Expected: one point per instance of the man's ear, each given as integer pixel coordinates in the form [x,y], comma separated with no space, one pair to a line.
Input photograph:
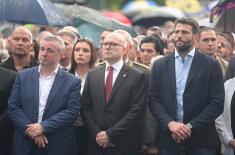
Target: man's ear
[9,41]
[32,46]
[196,37]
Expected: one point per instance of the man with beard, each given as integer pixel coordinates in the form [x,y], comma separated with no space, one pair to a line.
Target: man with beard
[186,95]
[20,43]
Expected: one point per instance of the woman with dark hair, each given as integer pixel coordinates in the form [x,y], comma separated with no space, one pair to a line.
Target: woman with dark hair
[83,59]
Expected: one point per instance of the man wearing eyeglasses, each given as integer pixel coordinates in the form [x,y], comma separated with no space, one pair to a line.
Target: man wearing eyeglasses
[113,102]
[44,104]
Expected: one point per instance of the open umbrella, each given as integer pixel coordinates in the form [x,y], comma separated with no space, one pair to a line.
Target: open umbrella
[223,15]
[157,17]
[118,15]
[92,23]
[40,12]
[132,8]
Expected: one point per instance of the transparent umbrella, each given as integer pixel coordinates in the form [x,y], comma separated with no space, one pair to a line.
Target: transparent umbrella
[92,23]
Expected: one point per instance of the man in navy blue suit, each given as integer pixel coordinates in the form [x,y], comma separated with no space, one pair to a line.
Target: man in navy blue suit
[186,95]
[44,103]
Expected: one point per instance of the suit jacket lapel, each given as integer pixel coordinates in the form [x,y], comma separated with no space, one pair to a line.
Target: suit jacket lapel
[100,83]
[58,82]
[35,86]
[171,74]
[195,66]
[119,80]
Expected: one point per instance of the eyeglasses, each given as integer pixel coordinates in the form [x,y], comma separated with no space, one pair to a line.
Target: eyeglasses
[110,45]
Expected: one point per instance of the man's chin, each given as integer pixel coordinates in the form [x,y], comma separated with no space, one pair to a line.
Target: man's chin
[20,54]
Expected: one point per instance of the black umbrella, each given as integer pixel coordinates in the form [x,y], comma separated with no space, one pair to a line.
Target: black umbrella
[156,17]
[40,12]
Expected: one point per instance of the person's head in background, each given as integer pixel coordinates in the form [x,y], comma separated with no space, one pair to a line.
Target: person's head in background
[3,53]
[69,39]
[20,42]
[132,54]
[207,41]
[150,47]
[128,38]
[225,45]
[169,26]
[154,30]
[74,30]
[169,43]
[35,49]
[43,34]
[139,38]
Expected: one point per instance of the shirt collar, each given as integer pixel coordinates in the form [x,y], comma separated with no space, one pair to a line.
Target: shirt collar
[67,67]
[191,53]
[117,66]
[52,74]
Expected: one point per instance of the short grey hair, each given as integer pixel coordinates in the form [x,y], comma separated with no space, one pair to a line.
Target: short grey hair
[20,28]
[56,39]
[68,33]
[126,35]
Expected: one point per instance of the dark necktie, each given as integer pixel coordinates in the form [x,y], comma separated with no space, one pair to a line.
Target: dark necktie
[109,82]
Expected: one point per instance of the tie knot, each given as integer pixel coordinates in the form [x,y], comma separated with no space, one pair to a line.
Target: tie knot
[110,68]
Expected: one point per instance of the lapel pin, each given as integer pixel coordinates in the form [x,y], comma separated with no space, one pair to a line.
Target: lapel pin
[124,75]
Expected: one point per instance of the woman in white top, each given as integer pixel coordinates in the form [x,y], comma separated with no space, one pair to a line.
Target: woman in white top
[225,123]
[83,59]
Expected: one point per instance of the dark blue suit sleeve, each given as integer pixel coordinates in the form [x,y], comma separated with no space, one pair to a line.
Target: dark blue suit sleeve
[154,98]
[17,115]
[215,99]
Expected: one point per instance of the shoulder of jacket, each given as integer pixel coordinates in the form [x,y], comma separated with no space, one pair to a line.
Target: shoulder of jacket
[141,65]
[99,63]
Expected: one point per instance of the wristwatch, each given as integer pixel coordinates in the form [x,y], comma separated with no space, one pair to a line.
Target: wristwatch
[189,125]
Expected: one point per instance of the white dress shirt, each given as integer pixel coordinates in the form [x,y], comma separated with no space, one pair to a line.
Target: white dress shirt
[82,81]
[45,85]
[116,69]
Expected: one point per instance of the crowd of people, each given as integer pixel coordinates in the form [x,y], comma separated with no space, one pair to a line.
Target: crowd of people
[168,91]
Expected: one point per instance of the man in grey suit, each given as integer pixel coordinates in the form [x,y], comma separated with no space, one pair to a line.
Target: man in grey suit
[112,109]
[186,95]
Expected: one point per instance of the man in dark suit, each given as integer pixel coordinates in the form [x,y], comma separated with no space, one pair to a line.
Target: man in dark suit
[186,95]
[44,104]
[113,102]
[6,83]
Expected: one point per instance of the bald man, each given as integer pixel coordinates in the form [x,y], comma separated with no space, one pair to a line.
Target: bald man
[113,114]
[20,42]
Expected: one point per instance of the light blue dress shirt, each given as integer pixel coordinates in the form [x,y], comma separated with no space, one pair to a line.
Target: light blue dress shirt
[182,67]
